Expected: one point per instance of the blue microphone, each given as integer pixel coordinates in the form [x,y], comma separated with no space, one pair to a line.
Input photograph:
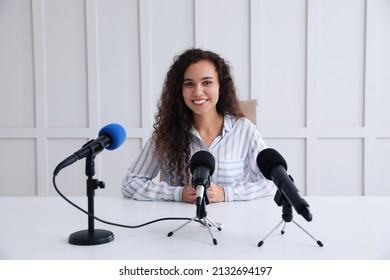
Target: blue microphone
[110,137]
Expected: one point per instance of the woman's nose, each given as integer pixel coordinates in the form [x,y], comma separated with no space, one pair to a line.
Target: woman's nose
[198,90]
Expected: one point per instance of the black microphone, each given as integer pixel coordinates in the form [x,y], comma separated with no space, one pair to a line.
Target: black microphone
[202,166]
[274,167]
[110,137]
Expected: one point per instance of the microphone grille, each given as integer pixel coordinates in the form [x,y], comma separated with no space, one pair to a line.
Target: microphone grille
[116,133]
[268,159]
[202,158]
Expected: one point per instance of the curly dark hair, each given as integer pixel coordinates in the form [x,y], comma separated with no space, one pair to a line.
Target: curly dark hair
[174,120]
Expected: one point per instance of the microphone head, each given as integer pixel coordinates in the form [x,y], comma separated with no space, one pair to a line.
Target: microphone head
[202,158]
[267,160]
[116,133]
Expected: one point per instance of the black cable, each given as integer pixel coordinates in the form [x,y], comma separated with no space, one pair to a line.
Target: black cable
[110,223]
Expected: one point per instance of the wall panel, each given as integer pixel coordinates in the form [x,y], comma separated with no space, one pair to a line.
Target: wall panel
[283,80]
[119,62]
[340,167]
[16,70]
[382,62]
[340,58]
[381,165]
[17,167]
[66,74]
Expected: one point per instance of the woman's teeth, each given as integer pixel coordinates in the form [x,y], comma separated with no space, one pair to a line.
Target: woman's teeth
[199,102]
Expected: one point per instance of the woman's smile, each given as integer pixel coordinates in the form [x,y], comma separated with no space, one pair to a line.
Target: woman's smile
[199,102]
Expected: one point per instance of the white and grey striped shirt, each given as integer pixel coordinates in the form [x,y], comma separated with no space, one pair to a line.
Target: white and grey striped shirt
[235,153]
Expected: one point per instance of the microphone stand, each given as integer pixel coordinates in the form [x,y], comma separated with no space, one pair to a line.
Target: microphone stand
[201,217]
[91,236]
[287,217]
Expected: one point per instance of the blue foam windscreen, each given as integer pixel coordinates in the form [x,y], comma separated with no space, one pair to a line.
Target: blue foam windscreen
[117,134]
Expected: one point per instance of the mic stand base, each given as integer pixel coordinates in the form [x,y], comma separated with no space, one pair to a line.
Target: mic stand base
[204,221]
[91,237]
[283,231]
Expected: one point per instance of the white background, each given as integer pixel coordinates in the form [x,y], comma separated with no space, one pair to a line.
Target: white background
[320,70]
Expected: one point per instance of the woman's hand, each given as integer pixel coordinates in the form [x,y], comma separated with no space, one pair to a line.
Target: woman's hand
[215,193]
[189,194]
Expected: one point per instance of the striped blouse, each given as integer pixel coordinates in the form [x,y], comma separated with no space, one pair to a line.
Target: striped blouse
[235,153]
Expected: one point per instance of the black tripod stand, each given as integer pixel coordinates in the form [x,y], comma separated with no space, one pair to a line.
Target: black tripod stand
[201,217]
[287,217]
[91,236]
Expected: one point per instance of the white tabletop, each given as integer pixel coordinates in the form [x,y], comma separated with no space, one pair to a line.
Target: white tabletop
[349,227]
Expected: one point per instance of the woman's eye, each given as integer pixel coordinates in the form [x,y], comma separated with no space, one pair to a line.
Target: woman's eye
[207,83]
[188,84]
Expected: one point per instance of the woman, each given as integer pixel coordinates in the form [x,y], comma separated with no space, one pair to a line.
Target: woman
[199,110]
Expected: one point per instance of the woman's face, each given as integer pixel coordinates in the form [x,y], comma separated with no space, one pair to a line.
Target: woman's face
[201,87]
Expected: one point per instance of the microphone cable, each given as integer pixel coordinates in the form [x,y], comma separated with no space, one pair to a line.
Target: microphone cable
[111,223]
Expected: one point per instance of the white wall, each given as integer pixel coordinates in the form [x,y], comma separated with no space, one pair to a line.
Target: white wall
[320,70]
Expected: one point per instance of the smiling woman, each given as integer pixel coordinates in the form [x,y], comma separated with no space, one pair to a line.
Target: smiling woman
[199,110]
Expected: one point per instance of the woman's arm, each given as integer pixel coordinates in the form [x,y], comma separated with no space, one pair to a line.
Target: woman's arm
[138,182]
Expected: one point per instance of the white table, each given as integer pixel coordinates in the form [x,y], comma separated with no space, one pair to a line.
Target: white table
[349,227]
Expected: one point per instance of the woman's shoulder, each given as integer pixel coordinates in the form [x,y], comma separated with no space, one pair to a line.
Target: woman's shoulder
[236,122]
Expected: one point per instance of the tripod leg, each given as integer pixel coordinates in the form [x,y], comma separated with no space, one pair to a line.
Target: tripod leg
[213,224]
[284,228]
[208,228]
[262,241]
[183,225]
[317,241]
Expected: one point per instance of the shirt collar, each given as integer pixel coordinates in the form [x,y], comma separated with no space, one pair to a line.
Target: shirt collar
[227,126]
